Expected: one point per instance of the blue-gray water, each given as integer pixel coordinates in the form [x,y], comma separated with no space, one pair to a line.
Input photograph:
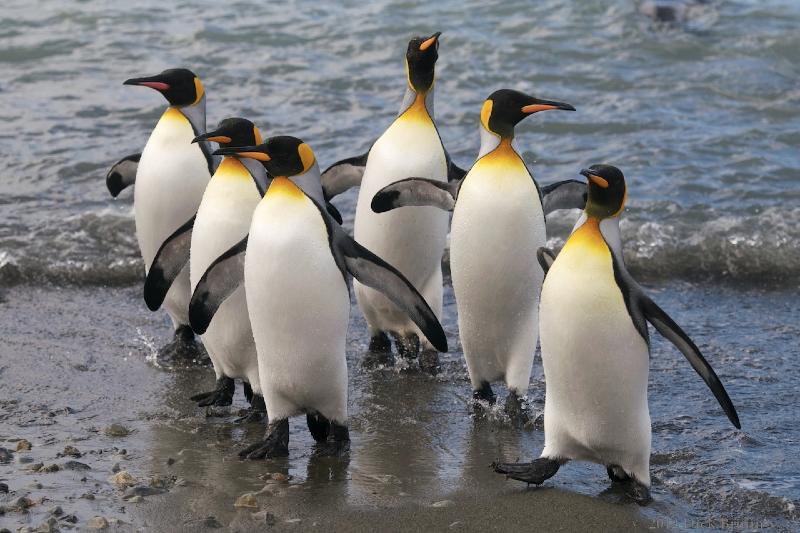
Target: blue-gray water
[702,116]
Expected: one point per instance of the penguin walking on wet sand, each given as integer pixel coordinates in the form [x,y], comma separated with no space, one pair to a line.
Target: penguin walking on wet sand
[295,273]
[414,239]
[222,220]
[171,177]
[595,350]
[498,224]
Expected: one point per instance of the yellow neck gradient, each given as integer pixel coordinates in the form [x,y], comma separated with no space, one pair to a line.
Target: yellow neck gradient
[588,240]
[417,112]
[282,187]
[232,168]
[503,158]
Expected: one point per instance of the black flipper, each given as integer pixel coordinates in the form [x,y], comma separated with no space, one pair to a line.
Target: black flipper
[332,211]
[219,281]
[123,174]
[167,264]
[546,258]
[642,310]
[416,192]
[454,172]
[569,194]
[377,274]
[343,175]
[673,333]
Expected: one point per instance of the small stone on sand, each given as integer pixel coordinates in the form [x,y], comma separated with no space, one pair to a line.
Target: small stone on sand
[116,430]
[443,503]
[266,517]
[3,488]
[6,455]
[23,503]
[23,445]
[76,465]
[123,479]
[97,522]
[71,451]
[247,501]
[49,469]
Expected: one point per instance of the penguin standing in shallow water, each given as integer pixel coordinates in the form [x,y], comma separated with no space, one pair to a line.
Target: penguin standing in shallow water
[295,273]
[171,177]
[222,220]
[498,225]
[595,350]
[414,239]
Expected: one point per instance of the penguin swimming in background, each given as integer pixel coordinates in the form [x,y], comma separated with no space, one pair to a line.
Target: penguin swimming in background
[595,350]
[171,176]
[295,274]
[498,225]
[222,220]
[413,240]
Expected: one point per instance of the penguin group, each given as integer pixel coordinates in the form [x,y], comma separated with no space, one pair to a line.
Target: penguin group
[243,247]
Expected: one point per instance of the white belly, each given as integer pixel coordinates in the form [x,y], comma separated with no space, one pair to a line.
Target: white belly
[596,367]
[412,238]
[497,227]
[170,181]
[299,308]
[223,219]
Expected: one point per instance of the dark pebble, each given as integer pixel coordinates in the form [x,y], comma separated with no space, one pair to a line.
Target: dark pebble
[71,518]
[170,461]
[36,467]
[3,488]
[212,522]
[115,468]
[142,491]
[57,511]
[23,503]
[6,455]
[87,496]
[49,469]
[76,465]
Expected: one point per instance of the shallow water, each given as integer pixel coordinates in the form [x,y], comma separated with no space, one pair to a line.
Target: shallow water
[703,118]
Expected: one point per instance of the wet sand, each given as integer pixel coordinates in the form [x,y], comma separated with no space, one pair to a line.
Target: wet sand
[75,361]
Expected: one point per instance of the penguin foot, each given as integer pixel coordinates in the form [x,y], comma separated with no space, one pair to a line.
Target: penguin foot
[276,443]
[221,396]
[429,362]
[380,352]
[256,413]
[407,346]
[319,426]
[248,392]
[484,395]
[616,473]
[182,350]
[337,446]
[637,491]
[516,408]
[535,472]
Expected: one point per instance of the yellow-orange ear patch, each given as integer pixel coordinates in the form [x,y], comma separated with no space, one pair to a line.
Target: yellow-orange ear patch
[306,156]
[486,113]
[198,89]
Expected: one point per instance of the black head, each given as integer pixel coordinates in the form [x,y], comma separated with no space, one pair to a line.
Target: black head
[281,156]
[505,108]
[179,86]
[607,191]
[421,61]
[233,131]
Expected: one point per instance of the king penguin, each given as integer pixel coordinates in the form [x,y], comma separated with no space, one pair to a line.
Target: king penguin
[295,274]
[413,240]
[498,225]
[171,177]
[595,350]
[222,220]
